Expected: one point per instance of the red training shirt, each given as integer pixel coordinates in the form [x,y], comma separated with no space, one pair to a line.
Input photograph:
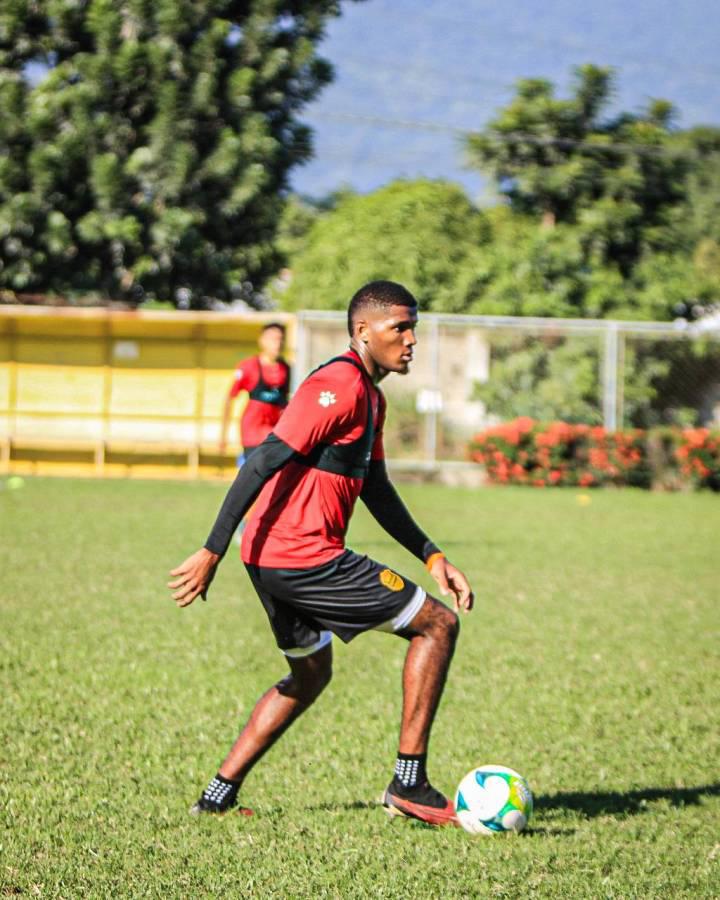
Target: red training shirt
[258,418]
[301,515]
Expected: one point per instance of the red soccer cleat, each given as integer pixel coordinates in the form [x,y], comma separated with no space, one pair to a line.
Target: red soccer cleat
[432,815]
[202,807]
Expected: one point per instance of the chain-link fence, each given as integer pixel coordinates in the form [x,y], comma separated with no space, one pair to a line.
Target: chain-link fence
[473,371]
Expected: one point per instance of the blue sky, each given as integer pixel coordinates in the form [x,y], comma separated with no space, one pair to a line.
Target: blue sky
[453,65]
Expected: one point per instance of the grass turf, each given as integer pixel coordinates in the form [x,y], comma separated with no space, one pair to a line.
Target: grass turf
[590,665]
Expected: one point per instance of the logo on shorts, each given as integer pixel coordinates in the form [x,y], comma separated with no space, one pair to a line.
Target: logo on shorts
[391,580]
[326,398]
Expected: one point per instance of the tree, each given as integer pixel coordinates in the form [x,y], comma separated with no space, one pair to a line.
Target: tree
[154,156]
[560,161]
[697,218]
[423,233]
[695,223]
[545,379]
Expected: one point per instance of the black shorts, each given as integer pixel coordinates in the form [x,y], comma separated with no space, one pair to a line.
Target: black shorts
[346,596]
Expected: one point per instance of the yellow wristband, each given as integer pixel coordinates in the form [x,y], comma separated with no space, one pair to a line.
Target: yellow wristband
[431,559]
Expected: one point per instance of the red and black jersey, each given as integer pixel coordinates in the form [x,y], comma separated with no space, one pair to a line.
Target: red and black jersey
[268,387]
[302,512]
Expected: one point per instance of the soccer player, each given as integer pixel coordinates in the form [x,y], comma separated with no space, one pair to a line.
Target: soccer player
[324,453]
[266,378]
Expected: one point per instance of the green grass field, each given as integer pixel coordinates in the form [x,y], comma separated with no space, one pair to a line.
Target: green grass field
[590,665]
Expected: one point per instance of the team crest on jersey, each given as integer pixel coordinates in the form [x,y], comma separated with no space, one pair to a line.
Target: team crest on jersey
[391,580]
[326,398]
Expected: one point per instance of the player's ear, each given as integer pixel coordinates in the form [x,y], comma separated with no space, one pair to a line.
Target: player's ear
[362,331]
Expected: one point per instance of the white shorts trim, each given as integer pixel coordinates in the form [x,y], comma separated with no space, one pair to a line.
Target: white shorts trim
[298,652]
[406,614]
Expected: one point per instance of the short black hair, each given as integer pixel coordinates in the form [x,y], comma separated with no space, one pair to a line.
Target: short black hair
[270,325]
[378,294]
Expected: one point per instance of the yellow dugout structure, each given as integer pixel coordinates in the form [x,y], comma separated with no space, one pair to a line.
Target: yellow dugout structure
[115,393]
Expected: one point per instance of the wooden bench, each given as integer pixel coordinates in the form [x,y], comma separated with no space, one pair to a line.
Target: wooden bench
[37,455]
[54,445]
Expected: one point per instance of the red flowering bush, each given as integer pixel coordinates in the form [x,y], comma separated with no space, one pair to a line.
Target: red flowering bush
[546,454]
[698,456]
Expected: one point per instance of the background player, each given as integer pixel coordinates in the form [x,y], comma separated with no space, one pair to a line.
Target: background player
[324,453]
[266,378]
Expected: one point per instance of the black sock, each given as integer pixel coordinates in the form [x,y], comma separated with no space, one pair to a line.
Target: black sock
[411,781]
[410,770]
[221,793]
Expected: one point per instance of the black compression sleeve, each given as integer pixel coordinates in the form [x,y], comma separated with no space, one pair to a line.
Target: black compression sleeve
[269,456]
[383,501]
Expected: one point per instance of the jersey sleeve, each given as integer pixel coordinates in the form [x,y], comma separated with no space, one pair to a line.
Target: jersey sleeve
[246,377]
[270,456]
[323,409]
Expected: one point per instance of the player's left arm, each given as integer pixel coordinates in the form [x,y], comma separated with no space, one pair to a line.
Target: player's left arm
[385,504]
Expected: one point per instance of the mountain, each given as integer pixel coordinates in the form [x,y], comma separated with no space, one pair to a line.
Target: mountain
[413,75]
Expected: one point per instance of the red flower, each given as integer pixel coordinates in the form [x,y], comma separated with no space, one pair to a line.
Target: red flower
[598,458]
[696,436]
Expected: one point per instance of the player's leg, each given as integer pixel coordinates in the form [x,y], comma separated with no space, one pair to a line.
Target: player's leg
[272,715]
[350,595]
[432,634]
[277,709]
[353,594]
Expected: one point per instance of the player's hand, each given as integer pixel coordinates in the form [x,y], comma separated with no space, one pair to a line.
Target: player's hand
[193,577]
[452,582]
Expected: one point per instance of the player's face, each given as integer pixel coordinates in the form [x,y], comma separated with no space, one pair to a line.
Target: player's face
[272,342]
[389,335]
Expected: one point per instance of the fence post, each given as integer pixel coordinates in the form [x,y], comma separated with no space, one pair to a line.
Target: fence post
[299,367]
[610,377]
[431,422]
[621,379]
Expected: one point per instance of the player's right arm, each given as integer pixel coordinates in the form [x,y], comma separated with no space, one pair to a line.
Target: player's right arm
[308,420]
[194,576]
[239,384]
